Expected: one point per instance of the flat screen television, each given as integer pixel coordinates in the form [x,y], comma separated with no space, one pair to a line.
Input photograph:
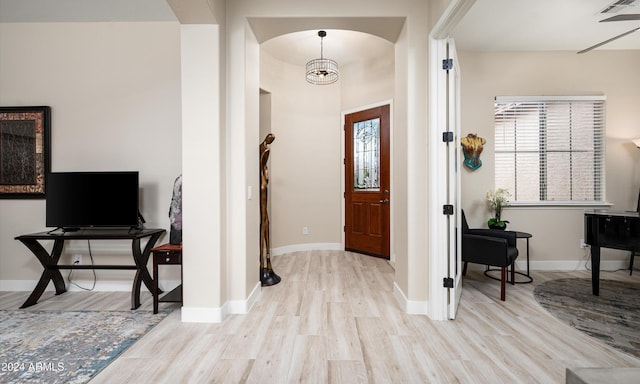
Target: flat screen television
[77,200]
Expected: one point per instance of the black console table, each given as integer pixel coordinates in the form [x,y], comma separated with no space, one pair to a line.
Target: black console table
[49,261]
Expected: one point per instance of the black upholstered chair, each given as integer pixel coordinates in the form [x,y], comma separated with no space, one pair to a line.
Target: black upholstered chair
[492,247]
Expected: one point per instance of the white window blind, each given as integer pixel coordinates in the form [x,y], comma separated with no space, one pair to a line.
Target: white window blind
[550,149]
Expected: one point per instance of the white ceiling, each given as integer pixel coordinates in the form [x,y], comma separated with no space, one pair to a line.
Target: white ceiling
[573,25]
[490,25]
[342,46]
[296,40]
[26,11]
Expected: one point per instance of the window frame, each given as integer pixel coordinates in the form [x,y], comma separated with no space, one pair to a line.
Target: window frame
[599,144]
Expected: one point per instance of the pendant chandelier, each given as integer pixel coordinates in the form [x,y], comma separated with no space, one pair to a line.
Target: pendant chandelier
[322,71]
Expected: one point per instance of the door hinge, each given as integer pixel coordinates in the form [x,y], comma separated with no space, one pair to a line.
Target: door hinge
[344,229]
[447,282]
[447,209]
[447,64]
[447,137]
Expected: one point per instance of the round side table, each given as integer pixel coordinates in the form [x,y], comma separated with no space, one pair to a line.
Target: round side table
[527,277]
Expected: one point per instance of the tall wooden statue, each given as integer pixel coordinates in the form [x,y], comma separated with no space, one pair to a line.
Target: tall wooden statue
[267,275]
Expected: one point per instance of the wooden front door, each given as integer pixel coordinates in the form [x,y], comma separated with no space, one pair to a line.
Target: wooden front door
[367,193]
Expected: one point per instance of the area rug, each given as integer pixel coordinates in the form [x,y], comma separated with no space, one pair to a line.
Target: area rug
[66,346]
[613,317]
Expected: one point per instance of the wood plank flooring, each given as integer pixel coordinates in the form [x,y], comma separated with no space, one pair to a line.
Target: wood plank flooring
[334,319]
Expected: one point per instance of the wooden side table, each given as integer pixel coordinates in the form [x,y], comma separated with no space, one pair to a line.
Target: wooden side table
[166,254]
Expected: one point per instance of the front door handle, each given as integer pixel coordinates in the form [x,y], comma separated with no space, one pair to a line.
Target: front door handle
[384,201]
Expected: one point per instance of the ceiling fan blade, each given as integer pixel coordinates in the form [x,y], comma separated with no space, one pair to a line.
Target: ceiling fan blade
[623,17]
[609,40]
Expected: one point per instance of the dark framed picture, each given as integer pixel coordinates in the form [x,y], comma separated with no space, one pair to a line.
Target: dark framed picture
[25,157]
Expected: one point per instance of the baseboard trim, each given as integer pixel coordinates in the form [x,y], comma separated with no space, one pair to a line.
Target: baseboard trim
[565,265]
[571,265]
[218,315]
[203,314]
[307,247]
[411,307]
[242,307]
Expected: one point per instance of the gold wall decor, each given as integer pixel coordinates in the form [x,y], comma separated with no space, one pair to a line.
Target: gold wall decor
[472,146]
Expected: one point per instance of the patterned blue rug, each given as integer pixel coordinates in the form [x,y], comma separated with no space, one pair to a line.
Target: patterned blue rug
[613,317]
[66,346]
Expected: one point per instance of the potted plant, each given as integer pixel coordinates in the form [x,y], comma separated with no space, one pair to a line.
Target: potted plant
[496,200]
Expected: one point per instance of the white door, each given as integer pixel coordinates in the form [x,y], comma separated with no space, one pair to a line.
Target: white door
[453,180]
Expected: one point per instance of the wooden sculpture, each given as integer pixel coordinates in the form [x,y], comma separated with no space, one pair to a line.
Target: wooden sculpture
[267,275]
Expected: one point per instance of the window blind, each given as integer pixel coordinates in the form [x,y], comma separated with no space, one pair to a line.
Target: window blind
[550,149]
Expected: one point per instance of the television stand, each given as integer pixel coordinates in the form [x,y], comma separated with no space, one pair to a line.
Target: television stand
[50,261]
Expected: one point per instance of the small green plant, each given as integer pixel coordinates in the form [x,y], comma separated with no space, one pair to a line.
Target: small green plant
[496,200]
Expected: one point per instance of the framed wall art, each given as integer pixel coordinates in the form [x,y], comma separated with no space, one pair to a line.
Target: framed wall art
[25,157]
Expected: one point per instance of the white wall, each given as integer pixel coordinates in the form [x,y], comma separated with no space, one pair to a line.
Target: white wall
[416,262]
[114,91]
[367,82]
[305,157]
[205,277]
[556,231]
[399,204]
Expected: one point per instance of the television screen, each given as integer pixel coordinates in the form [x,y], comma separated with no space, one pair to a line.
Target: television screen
[92,199]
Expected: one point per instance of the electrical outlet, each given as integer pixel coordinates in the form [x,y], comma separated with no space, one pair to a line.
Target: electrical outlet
[305,230]
[77,259]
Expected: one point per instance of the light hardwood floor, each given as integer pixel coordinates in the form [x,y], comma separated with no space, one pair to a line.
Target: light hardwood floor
[334,319]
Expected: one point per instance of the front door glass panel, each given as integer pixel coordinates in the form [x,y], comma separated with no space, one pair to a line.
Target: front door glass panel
[366,155]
